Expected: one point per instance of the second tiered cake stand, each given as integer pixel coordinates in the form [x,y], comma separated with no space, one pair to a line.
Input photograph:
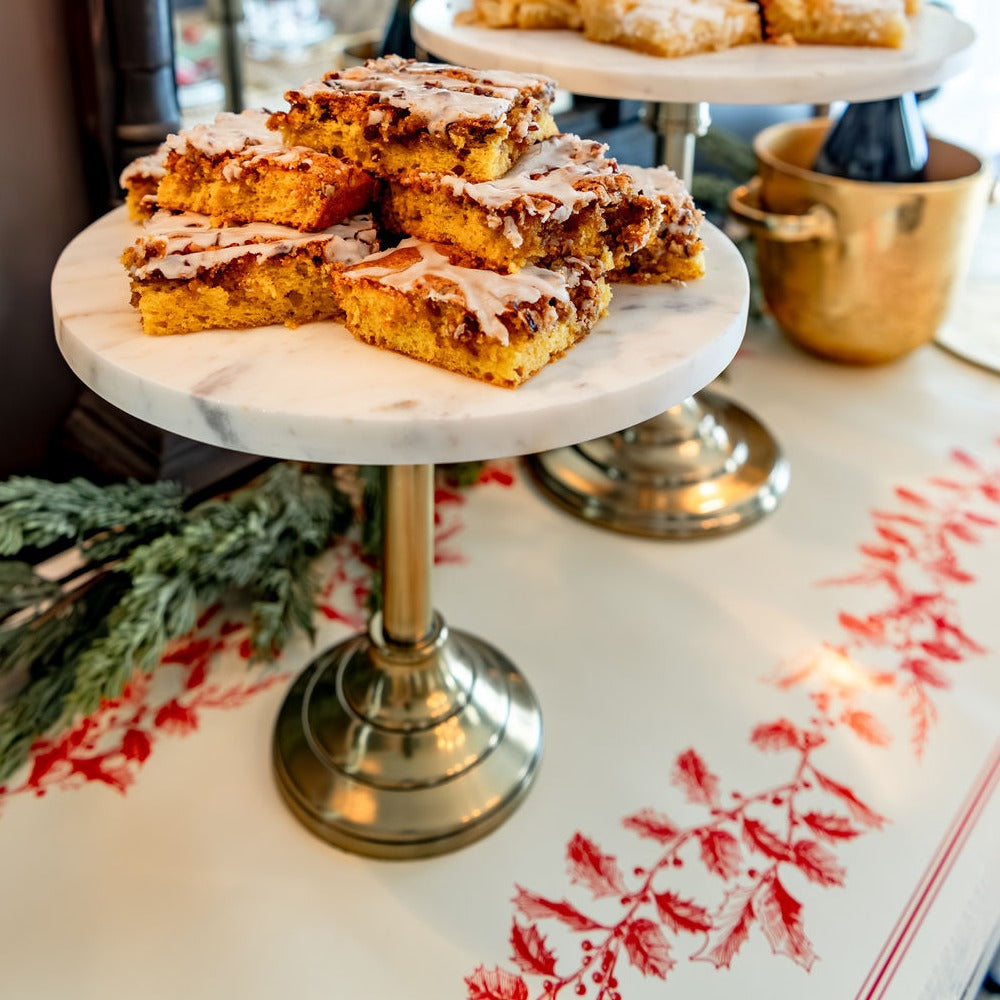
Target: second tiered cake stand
[706,465]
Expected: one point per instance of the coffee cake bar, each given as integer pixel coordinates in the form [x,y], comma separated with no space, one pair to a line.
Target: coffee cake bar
[671,27]
[563,197]
[237,170]
[423,300]
[675,251]
[879,23]
[395,114]
[187,275]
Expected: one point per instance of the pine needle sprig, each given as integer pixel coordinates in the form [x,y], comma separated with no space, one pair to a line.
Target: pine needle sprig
[249,542]
[21,588]
[728,153]
[48,656]
[101,521]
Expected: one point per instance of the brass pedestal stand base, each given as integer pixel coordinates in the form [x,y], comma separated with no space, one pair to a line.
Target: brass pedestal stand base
[407,752]
[410,740]
[703,467]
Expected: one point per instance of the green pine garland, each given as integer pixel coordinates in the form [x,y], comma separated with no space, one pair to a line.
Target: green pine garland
[149,567]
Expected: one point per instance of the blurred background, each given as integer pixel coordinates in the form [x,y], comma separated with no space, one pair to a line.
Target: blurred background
[88,84]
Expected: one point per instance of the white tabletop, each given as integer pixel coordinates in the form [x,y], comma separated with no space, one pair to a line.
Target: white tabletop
[317,394]
[161,862]
[939,47]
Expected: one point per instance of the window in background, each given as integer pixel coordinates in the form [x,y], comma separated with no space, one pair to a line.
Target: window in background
[277,44]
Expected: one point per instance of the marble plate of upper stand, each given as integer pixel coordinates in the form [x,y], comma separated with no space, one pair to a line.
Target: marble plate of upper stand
[316,394]
[938,48]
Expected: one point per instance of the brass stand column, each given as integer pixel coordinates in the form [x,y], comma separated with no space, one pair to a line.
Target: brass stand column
[704,466]
[413,739]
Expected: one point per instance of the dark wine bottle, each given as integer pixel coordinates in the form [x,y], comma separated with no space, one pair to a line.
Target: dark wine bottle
[880,141]
[398,38]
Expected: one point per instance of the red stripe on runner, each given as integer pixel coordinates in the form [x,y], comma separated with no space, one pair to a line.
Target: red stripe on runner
[899,941]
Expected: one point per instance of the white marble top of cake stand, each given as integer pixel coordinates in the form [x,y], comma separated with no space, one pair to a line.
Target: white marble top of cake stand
[317,394]
[939,48]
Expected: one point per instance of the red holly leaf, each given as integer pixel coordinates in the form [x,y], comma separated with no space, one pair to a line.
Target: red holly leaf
[536,908]
[910,497]
[694,778]
[732,926]
[867,727]
[923,671]
[530,951]
[208,614]
[961,531]
[817,863]
[682,914]
[780,735]
[96,769]
[589,866]
[868,628]
[780,918]
[893,537]
[913,522]
[935,647]
[964,458]
[176,718]
[443,495]
[877,552]
[981,519]
[647,948]
[991,491]
[829,826]
[763,840]
[189,652]
[495,984]
[136,745]
[721,852]
[946,567]
[861,812]
[494,474]
[197,675]
[651,824]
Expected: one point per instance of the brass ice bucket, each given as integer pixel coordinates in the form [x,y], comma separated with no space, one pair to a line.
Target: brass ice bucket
[853,270]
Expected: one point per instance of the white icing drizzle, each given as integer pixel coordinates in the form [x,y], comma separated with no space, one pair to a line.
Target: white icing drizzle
[657,182]
[228,134]
[673,15]
[439,94]
[180,246]
[542,181]
[241,140]
[150,166]
[485,294]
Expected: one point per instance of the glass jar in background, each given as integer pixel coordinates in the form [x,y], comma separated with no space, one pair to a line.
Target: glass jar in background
[284,29]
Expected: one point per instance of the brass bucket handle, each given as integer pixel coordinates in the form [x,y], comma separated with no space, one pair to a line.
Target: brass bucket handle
[819,223]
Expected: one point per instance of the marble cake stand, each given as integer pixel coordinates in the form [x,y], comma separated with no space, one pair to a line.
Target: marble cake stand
[411,739]
[705,465]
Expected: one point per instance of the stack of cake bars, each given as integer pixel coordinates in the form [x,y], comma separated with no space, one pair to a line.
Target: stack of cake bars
[503,237]
[674,28]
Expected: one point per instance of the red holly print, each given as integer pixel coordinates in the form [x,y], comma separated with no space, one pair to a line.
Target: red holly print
[795,827]
[111,746]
